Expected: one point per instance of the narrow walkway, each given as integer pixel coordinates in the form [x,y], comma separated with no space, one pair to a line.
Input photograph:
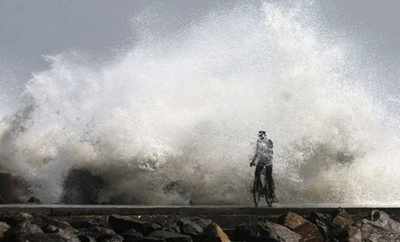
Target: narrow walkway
[66,210]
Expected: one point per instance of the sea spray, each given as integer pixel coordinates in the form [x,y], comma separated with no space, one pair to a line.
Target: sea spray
[174,119]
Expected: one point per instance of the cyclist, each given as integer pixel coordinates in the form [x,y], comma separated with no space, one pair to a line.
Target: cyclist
[263,158]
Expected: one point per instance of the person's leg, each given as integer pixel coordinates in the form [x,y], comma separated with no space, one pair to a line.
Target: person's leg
[270,181]
[258,171]
[257,174]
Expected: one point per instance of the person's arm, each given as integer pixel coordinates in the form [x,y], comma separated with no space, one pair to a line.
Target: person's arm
[253,161]
[271,149]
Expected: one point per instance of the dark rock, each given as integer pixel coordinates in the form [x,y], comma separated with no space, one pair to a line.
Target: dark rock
[96,232]
[41,238]
[323,222]
[21,226]
[132,235]
[245,232]
[34,200]
[111,238]
[190,227]
[45,221]
[214,233]
[332,229]
[155,226]
[18,218]
[204,223]
[51,229]
[151,239]
[102,230]
[266,231]
[56,226]
[27,228]
[309,232]
[86,221]
[123,223]
[86,238]
[170,236]
[173,227]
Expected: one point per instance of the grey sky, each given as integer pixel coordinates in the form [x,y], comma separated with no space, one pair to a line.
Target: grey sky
[30,29]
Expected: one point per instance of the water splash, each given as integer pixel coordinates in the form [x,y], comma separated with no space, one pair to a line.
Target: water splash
[172,120]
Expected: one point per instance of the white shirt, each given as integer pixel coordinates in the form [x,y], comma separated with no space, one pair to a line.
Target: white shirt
[264,151]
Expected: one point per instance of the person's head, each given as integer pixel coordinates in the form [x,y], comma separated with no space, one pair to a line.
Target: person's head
[261,134]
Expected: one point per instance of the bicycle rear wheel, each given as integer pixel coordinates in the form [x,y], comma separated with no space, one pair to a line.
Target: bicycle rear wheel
[256,192]
[268,195]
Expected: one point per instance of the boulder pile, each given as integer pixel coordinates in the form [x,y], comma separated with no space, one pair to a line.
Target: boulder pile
[289,227]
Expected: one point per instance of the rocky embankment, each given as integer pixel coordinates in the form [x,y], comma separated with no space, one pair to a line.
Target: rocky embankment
[341,226]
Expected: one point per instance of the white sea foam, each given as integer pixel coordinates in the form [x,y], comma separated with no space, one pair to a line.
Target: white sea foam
[173,119]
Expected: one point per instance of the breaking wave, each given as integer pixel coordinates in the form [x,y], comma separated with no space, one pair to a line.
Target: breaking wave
[173,120]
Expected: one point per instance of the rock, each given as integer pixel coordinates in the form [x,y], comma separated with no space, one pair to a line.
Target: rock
[309,232]
[380,228]
[41,238]
[214,233]
[51,229]
[204,223]
[343,219]
[132,235]
[189,227]
[86,222]
[324,224]
[21,226]
[70,234]
[86,238]
[383,220]
[34,200]
[27,228]
[151,239]
[266,231]
[170,236]
[333,229]
[245,232]
[123,223]
[4,228]
[281,233]
[173,227]
[111,238]
[45,221]
[57,226]
[18,218]
[292,220]
[372,233]
[96,232]
[354,234]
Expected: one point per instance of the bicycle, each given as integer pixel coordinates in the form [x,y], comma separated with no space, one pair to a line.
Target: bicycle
[260,189]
